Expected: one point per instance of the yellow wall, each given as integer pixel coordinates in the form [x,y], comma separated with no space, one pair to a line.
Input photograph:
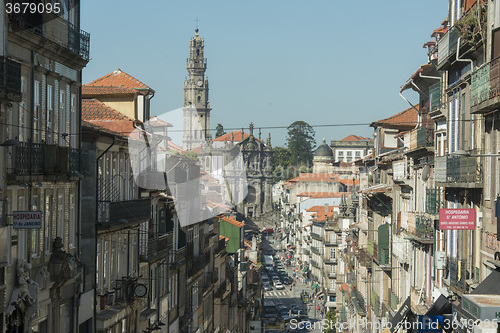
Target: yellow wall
[124,104]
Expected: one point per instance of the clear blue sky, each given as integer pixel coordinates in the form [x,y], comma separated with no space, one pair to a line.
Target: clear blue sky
[270,62]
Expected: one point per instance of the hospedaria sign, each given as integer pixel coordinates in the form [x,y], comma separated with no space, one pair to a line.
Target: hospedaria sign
[457,219]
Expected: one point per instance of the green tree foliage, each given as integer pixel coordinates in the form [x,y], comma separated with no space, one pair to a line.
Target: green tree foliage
[301,143]
[219,130]
[330,318]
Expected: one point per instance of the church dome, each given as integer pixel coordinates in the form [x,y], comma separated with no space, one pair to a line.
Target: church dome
[323,150]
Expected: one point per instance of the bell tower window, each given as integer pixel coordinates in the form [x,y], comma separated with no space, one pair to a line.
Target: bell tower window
[197,52]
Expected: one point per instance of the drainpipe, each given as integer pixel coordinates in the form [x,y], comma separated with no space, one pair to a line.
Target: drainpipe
[407,101]
[457,58]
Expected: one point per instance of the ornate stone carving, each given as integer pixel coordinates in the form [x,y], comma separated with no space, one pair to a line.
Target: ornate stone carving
[62,265]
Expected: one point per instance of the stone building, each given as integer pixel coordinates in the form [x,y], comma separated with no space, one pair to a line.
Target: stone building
[351,148]
[41,165]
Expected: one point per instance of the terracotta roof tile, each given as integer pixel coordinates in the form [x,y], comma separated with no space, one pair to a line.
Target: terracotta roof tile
[404,119]
[320,209]
[93,109]
[348,182]
[236,136]
[90,91]
[119,78]
[353,137]
[317,195]
[316,177]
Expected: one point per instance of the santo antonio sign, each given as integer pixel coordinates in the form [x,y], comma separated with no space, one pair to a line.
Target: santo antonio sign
[457,219]
[27,220]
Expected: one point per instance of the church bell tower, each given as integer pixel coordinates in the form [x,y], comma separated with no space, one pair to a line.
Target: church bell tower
[196,95]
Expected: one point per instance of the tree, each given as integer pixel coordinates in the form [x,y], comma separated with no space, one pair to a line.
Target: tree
[330,318]
[219,130]
[300,143]
[281,163]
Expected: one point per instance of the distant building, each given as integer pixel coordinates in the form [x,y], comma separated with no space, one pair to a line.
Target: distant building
[351,148]
[196,125]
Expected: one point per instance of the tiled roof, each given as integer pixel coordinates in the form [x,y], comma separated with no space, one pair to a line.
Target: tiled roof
[320,209]
[119,78]
[124,127]
[353,137]
[439,31]
[348,182]
[317,195]
[316,177]
[90,91]
[233,221]
[155,121]
[88,126]
[237,137]
[404,119]
[93,109]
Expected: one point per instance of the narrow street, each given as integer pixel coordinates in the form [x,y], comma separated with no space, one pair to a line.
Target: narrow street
[291,294]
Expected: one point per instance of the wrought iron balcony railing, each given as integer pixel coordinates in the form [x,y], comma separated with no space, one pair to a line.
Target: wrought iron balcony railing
[458,169]
[42,159]
[55,29]
[124,211]
[485,87]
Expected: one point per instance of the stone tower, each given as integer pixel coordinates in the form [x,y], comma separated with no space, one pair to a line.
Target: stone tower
[196,95]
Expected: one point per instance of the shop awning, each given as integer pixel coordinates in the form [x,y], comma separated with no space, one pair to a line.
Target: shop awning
[314,286]
[490,286]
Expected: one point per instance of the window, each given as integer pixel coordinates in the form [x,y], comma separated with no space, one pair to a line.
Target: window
[72,221]
[48,223]
[60,217]
[35,233]
[98,266]
[357,154]
[36,112]
[332,254]
[50,114]
[105,263]
[349,153]
[62,116]
[73,122]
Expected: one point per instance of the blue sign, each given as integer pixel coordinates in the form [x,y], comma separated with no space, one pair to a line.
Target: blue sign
[430,324]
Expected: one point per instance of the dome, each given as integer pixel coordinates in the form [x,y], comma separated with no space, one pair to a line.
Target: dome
[324,150]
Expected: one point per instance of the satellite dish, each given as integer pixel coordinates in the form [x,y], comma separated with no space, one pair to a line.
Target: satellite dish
[426,172]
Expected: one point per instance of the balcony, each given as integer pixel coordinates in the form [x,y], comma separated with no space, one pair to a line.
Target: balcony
[55,29]
[447,47]
[331,275]
[485,87]
[435,100]
[458,274]
[158,247]
[316,236]
[433,202]
[198,263]
[363,258]
[10,80]
[424,228]
[458,171]
[421,138]
[124,211]
[315,250]
[40,159]
[359,302]
[399,169]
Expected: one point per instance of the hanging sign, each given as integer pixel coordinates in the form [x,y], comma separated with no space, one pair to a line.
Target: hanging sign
[27,220]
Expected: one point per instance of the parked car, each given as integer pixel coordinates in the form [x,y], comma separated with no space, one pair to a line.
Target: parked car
[267,231]
[279,285]
[267,287]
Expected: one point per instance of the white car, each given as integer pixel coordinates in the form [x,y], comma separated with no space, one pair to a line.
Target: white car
[279,286]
